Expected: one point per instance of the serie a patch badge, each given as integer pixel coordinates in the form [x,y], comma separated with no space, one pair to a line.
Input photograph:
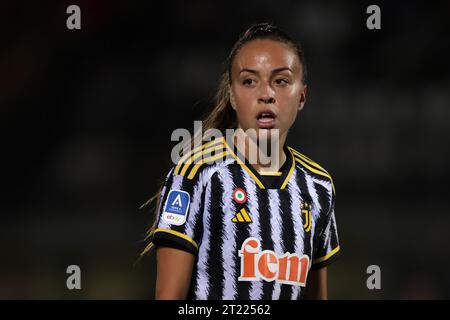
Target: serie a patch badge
[176,207]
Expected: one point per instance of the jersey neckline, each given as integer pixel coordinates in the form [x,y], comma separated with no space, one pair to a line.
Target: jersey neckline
[262,180]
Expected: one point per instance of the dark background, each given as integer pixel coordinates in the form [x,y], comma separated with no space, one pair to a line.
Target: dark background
[86,117]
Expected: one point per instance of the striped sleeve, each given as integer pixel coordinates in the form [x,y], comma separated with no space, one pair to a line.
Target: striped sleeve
[180,213]
[327,248]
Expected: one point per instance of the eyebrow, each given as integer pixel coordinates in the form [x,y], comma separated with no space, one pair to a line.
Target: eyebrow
[273,71]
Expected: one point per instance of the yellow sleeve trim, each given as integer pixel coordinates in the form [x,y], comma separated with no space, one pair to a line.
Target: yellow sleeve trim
[178,234]
[328,256]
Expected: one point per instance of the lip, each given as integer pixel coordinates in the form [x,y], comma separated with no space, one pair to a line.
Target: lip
[266,123]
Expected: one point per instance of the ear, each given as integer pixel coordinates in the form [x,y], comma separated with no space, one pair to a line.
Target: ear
[232,100]
[302,100]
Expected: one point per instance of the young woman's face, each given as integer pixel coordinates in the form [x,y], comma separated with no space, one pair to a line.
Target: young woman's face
[266,86]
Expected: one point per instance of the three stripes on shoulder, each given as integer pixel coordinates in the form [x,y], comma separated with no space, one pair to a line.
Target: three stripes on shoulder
[216,149]
[209,152]
[312,166]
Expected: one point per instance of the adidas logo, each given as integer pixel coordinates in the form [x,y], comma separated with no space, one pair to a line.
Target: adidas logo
[242,216]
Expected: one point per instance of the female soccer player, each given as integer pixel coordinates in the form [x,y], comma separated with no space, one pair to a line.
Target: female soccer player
[236,229]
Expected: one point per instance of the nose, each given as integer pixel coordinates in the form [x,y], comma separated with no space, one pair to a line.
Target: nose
[266,95]
[266,100]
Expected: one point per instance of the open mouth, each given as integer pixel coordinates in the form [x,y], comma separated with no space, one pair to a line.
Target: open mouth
[266,119]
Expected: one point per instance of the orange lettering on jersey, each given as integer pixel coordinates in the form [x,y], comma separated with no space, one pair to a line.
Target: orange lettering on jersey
[267,265]
[249,249]
[288,268]
[283,267]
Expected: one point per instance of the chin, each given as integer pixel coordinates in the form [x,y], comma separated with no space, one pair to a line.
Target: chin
[267,134]
[261,134]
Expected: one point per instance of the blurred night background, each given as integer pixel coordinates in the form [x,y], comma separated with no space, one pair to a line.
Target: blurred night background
[86,118]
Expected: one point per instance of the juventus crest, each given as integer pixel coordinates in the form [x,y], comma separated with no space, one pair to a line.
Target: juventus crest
[306,209]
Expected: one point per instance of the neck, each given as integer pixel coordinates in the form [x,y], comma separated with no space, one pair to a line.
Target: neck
[261,162]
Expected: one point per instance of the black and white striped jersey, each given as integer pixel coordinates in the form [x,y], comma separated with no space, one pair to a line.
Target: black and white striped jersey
[254,236]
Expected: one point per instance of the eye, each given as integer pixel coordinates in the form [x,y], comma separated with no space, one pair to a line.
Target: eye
[248,82]
[282,81]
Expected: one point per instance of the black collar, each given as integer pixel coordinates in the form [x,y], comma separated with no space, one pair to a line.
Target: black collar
[267,181]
